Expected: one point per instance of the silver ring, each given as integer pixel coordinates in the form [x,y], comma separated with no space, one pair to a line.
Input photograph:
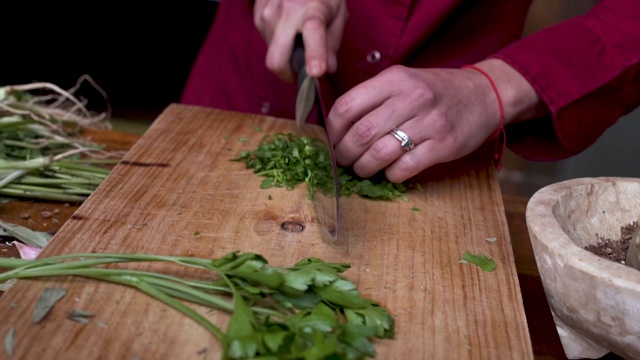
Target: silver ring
[404,139]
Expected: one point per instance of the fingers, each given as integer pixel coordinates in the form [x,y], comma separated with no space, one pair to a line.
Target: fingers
[444,112]
[315,43]
[321,23]
[412,162]
[385,151]
[334,36]
[366,113]
[398,163]
[350,108]
[279,52]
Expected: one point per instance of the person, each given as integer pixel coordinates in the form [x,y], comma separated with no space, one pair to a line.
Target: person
[449,75]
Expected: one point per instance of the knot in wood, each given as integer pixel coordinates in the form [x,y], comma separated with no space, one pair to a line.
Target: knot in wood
[292,226]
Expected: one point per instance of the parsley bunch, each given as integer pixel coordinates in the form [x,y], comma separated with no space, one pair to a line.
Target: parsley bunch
[305,311]
[286,160]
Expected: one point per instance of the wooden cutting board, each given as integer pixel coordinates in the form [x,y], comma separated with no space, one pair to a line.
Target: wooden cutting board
[178,193]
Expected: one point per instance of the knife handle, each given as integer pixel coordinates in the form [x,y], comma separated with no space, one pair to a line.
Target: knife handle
[297,55]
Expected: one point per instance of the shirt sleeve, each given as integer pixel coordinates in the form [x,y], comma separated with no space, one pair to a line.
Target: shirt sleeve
[587,71]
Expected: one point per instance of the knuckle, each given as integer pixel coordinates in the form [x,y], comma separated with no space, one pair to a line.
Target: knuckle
[271,63]
[265,14]
[400,73]
[395,70]
[313,22]
[343,107]
[422,94]
[364,131]
[382,150]
[441,127]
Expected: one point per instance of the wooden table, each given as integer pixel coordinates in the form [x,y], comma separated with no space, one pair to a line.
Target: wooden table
[178,193]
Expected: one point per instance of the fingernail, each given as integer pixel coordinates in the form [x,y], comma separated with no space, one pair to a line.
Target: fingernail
[315,67]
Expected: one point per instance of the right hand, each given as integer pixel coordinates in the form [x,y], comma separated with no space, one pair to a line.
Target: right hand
[321,23]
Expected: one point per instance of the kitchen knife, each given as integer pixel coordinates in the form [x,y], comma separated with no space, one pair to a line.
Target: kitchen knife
[325,205]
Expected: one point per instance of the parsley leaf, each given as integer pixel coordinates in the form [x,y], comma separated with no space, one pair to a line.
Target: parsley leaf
[481,260]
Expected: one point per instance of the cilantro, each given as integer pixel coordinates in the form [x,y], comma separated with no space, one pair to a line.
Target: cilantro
[286,160]
[481,260]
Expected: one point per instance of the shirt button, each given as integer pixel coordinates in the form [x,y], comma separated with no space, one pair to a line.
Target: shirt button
[373,56]
[265,108]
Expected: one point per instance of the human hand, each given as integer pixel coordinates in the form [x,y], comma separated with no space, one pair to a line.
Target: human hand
[447,113]
[321,23]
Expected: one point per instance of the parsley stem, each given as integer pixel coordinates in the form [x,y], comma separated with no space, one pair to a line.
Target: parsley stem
[180,288]
[159,295]
[118,258]
[140,280]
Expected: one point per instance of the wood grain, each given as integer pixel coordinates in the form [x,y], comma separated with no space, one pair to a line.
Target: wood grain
[177,193]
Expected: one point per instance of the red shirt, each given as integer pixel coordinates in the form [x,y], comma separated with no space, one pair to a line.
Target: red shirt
[587,69]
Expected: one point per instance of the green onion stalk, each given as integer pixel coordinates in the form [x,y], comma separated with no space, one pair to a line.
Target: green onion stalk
[42,153]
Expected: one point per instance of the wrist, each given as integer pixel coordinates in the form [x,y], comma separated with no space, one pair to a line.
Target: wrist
[519,99]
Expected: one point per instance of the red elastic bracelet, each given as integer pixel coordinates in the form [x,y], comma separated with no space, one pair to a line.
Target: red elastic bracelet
[500,133]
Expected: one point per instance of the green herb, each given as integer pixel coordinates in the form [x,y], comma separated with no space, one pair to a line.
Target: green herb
[5,286]
[258,129]
[196,233]
[9,342]
[80,316]
[45,303]
[286,160]
[415,209]
[308,310]
[481,260]
[30,237]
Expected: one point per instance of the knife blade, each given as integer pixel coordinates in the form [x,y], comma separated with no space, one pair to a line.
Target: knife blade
[325,205]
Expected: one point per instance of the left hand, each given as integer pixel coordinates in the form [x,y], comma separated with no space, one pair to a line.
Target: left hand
[447,113]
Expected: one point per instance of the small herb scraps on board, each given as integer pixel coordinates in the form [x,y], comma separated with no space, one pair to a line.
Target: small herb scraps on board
[9,342]
[45,303]
[79,315]
[286,160]
[305,311]
[483,261]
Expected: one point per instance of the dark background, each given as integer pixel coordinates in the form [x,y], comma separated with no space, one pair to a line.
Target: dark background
[139,53]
